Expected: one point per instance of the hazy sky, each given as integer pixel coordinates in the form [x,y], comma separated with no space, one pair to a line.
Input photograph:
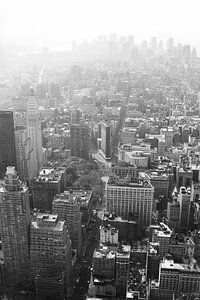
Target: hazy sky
[45,22]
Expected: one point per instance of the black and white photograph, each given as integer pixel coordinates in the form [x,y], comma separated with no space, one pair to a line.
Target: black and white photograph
[100,150]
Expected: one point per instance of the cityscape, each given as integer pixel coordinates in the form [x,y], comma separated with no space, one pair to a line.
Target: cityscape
[100,169]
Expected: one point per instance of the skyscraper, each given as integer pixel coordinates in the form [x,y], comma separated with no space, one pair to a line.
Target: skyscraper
[51,181]
[14,226]
[185,202]
[105,140]
[23,153]
[50,252]
[79,140]
[7,142]
[66,207]
[34,132]
[122,267]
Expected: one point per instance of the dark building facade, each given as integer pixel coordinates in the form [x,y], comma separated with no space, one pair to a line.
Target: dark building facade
[79,140]
[7,142]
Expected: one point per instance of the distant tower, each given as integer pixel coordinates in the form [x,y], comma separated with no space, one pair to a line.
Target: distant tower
[7,142]
[66,207]
[199,100]
[106,139]
[34,130]
[79,140]
[14,227]
[185,203]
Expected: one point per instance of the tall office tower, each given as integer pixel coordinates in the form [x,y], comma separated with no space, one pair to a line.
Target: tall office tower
[34,132]
[186,52]
[196,239]
[162,235]
[131,41]
[66,207]
[79,140]
[104,272]
[198,99]
[51,181]
[122,268]
[153,43]
[106,140]
[76,116]
[173,212]
[194,52]
[50,254]
[7,142]
[170,44]
[160,182]
[130,200]
[169,134]
[160,45]
[14,227]
[185,203]
[23,153]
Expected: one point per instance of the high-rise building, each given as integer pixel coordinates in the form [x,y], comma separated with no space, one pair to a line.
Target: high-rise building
[34,132]
[170,44]
[185,202]
[106,140]
[104,272]
[79,140]
[181,246]
[186,52]
[153,44]
[51,181]
[122,267]
[7,142]
[160,182]
[173,213]
[76,116]
[14,227]
[65,205]
[162,236]
[50,253]
[23,153]
[130,200]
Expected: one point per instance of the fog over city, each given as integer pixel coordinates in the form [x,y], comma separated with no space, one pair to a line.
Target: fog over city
[56,23]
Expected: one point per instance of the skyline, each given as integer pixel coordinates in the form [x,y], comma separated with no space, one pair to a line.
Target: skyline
[56,24]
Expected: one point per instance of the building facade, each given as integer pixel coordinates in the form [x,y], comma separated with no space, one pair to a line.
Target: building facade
[131,200]
[7,142]
[51,260]
[14,226]
[79,140]
[65,205]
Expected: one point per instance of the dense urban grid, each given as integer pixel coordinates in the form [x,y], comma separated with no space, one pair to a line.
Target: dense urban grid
[100,172]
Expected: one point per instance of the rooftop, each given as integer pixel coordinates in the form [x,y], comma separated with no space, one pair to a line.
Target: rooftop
[170,264]
[104,252]
[49,175]
[44,220]
[139,183]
